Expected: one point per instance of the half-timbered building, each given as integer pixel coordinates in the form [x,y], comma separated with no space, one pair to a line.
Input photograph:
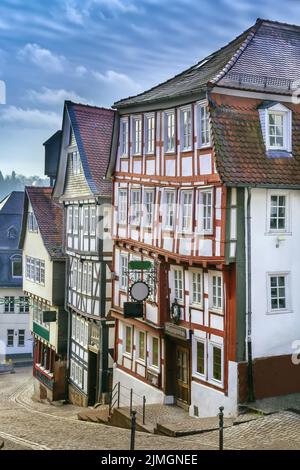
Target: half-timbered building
[44,284]
[80,186]
[185,157]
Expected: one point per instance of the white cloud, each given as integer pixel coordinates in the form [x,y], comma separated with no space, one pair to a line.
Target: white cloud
[29,118]
[80,70]
[124,6]
[111,77]
[42,58]
[73,14]
[53,97]
[3,25]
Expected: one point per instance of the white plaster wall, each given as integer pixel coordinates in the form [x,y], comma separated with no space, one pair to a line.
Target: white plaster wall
[152,394]
[209,400]
[34,247]
[273,334]
[14,321]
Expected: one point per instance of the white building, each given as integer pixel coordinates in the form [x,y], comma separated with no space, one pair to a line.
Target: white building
[15,337]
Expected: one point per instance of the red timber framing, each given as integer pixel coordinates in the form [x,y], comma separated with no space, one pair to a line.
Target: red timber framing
[193,171]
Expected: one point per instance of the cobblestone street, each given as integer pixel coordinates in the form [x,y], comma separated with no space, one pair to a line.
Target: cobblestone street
[25,424]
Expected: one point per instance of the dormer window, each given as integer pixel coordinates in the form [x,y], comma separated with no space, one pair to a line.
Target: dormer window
[11,233]
[277,122]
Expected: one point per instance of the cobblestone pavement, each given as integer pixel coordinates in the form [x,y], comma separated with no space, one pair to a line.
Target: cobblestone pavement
[25,424]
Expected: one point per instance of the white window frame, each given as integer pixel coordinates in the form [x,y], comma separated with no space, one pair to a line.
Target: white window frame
[186,228]
[70,219]
[176,283]
[146,222]
[122,206]
[76,163]
[287,287]
[151,365]
[203,125]
[191,290]
[287,228]
[124,137]
[123,260]
[186,129]
[135,208]
[16,259]
[127,353]
[10,335]
[213,307]
[32,223]
[138,351]
[169,210]
[170,131]
[93,216]
[203,211]
[203,341]
[89,278]
[281,110]
[19,336]
[75,220]
[210,346]
[86,220]
[149,123]
[137,135]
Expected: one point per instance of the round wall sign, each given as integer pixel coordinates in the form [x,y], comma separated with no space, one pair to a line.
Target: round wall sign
[139,291]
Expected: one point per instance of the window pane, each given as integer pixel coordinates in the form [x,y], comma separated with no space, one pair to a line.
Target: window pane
[128,340]
[200,358]
[217,363]
[155,352]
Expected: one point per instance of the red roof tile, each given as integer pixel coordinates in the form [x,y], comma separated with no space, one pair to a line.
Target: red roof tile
[240,151]
[93,128]
[49,216]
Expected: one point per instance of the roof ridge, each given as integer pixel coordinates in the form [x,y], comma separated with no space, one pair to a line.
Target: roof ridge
[251,33]
[279,23]
[89,106]
[204,59]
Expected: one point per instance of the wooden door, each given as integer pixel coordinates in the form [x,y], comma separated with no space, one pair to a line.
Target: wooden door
[182,388]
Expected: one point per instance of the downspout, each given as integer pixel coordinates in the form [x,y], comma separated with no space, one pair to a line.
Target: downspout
[250,396]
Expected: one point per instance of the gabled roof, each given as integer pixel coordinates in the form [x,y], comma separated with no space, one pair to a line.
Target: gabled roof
[240,152]
[266,57]
[49,217]
[13,203]
[93,129]
[11,216]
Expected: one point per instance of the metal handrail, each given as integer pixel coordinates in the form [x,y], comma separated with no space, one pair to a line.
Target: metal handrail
[115,396]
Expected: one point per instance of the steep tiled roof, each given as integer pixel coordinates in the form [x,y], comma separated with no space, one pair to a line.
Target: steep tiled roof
[93,128]
[240,152]
[49,216]
[265,57]
[13,203]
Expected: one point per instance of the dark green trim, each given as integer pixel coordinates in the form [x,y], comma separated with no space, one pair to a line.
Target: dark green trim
[228,225]
[40,331]
[240,277]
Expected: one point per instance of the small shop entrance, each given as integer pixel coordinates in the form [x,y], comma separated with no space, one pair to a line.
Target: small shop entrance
[178,372]
[92,378]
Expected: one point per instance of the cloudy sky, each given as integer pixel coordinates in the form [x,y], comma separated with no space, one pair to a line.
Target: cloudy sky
[98,51]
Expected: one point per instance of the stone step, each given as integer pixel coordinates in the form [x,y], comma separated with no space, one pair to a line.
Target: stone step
[98,415]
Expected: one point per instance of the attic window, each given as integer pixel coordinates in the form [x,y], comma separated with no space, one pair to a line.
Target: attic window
[278,128]
[12,233]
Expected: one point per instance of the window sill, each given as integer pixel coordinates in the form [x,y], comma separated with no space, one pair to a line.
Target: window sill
[170,153]
[278,232]
[127,356]
[279,312]
[124,156]
[216,310]
[190,149]
[197,306]
[155,370]
[141,362]
[204,146]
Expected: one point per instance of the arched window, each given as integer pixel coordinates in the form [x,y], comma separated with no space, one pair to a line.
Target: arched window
[12,233]
[16,266]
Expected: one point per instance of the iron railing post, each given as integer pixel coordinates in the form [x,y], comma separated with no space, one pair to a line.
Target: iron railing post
[221,428]
[131,395]
[144,409]
[133,429]
[119,386]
